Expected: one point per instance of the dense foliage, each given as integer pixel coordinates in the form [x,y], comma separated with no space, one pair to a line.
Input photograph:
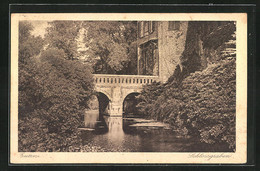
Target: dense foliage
[202,106]
[28,44]
[107,45]
[53,92]
[110,43]
[198,101]
[63,35]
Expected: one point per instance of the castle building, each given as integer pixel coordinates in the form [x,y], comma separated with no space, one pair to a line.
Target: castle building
[159,47]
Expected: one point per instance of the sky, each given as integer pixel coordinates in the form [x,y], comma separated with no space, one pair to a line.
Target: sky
[39,27]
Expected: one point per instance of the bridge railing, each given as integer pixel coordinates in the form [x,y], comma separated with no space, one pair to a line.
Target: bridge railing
[124,79]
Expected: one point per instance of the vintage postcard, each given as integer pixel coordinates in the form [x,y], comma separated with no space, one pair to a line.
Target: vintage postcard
[144,88]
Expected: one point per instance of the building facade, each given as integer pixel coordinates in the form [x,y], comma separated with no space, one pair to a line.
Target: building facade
[159,47]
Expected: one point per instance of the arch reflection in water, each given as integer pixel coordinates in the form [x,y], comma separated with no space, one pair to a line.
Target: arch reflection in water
[108,133]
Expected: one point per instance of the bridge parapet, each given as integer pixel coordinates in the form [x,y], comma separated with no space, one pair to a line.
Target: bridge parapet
[124,79]
[117,87]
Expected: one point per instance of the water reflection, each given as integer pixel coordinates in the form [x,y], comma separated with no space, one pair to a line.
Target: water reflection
[124,134]
[90,118]
[109,133]
[115,130]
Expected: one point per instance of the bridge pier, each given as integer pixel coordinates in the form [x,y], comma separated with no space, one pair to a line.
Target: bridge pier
[115,109]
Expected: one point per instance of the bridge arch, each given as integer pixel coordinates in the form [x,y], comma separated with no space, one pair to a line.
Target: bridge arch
[117,87]
[126,93]
[103,91]
[104,101]
[129,103]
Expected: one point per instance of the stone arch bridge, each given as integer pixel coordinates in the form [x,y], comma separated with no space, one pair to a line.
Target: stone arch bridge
[117,87]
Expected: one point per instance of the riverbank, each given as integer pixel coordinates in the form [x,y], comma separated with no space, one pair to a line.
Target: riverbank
[202,106]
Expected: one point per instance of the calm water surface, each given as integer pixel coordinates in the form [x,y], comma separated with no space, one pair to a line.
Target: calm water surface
[133,135]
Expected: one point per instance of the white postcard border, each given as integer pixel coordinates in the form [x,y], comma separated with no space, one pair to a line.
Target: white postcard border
[240,156]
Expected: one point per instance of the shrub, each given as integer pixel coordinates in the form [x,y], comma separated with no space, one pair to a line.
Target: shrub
[199,98]
[203,105]
[53,93]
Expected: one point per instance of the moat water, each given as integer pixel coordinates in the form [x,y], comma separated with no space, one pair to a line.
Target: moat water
[134,134]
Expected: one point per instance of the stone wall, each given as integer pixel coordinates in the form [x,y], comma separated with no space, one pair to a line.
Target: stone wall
[171,44]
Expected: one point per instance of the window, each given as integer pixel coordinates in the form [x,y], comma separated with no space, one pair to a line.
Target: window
[145,28]
[148,62]
[140,29]
[174,25]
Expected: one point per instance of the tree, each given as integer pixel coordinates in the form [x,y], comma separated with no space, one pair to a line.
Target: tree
[63,35]
[25,29]
[29,45]
[53,93]
[109,44]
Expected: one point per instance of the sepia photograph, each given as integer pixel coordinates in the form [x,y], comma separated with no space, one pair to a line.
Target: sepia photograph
[128,88]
